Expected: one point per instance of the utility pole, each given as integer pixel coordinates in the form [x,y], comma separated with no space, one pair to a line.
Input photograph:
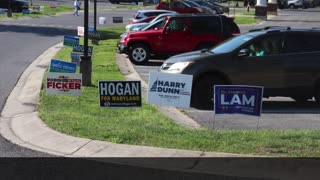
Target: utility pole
[9,12]
[85,62]
[95,16]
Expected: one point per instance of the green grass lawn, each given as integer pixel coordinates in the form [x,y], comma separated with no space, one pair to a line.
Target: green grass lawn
[82,117]
[47,11]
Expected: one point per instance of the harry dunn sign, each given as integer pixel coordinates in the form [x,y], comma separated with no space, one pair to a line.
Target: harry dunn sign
[169,89]
[120,94]
[70,40]
[62,66]
[229,99]
[80,48]
[64,83]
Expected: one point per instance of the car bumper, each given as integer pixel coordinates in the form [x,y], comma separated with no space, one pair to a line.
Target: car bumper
[122,48]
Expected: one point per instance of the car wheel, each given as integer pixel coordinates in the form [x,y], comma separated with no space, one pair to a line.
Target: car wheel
[214,11]
[292,6]
[139,54]
[202,93]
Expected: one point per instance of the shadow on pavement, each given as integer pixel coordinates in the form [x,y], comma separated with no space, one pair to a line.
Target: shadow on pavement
[42,31]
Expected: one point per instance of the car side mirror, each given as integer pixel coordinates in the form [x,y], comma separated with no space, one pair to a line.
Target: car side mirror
[244,53]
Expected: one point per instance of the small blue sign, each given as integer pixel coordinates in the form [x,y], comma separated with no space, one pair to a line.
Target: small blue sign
[90,29]
[75,57]
[70,40]
[62,66]
[25,11]
[237,99]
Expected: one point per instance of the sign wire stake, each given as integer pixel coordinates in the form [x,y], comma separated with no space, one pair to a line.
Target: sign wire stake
[258,122]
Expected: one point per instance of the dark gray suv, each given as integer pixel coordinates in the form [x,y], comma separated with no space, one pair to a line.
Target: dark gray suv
[285,61]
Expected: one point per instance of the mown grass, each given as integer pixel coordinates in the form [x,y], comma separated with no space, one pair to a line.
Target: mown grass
[82,117]
[47,11]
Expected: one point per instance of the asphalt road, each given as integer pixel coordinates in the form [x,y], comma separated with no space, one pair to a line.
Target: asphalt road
[23,40]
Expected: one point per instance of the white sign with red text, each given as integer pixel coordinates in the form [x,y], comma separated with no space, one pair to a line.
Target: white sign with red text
[64,84]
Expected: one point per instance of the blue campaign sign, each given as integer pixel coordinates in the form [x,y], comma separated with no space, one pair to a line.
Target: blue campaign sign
[70,40]
[62,66]
[90,29]
[237,99]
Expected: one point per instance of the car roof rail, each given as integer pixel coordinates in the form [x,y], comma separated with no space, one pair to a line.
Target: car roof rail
[271,28]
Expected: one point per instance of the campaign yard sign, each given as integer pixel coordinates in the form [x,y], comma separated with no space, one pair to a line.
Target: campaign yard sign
[169,89]
[117,19]
[80,48]
[237,99]
[70,40]
[75,57]
[64,84]
[81,30]
[62,66]
[115,94]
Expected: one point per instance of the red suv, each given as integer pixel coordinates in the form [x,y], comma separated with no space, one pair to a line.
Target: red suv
[177,34]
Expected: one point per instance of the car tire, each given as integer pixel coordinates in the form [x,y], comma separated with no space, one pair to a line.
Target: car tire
[292,6]
[202,92]
[139,54]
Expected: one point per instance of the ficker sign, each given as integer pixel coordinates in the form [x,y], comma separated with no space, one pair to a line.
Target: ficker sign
[64,84]
[120,94]
[231,99]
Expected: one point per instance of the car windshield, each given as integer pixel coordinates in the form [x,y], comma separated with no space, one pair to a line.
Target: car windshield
[161,16]
[156,24]
[231,44]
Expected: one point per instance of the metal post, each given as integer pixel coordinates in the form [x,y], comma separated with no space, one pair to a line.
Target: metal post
[95,16]
[9,12]
[85,62]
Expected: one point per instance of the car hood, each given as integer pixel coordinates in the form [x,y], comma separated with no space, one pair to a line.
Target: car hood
[189,56]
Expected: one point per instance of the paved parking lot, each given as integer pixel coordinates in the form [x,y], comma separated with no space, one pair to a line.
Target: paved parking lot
[278,112]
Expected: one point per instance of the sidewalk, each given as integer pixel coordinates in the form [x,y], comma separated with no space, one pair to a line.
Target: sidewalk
[21,125]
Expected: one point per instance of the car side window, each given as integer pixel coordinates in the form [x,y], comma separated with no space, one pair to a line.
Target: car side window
[205,25]
[298,42]
[266,46]
[178,25]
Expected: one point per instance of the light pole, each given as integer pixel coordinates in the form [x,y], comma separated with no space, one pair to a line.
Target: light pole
[85,62]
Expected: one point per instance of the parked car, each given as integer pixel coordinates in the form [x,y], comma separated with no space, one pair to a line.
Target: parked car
[290,65]
[205,9]
[216,8]
[138,26]
[293,4]
[177,34]
[126,1]
[17,5]
[147,15]
[180,7]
